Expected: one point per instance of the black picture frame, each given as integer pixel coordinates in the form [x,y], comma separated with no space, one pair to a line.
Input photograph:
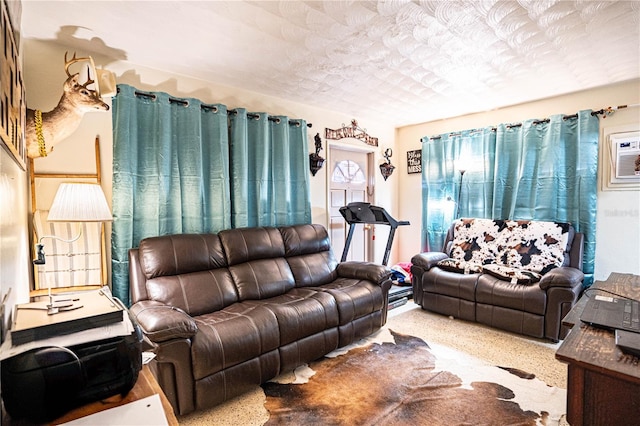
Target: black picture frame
[414,161]
[12,96]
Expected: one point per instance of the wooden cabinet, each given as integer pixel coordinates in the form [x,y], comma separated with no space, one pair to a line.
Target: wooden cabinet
[603,386]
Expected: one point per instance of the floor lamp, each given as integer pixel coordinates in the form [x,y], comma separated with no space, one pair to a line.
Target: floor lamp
[459,193]
[73,202]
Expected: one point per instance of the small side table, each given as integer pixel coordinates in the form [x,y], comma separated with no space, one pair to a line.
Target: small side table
[603,383]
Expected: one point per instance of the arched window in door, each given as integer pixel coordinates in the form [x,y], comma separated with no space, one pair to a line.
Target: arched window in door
[347,171]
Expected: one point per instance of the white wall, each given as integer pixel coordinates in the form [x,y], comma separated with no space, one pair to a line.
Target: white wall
[14,239]
[15,255]
[618,214]
[44,75]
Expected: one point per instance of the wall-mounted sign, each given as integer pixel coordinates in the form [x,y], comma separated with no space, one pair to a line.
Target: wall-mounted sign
[352,131]
[414,161]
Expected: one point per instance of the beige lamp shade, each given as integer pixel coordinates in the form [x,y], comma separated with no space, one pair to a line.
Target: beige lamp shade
[79,202]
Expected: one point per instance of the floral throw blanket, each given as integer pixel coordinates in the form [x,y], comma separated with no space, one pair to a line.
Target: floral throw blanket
[520,251]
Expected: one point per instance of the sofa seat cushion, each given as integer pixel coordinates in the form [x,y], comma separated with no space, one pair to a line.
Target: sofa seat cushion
[301,312]
[513,275]
[355,298]
[233,335]
[494,291]
[459,266]
[440,281]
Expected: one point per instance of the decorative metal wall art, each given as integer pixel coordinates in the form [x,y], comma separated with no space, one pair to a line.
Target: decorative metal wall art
[387,168]
[352,131]
[315,161]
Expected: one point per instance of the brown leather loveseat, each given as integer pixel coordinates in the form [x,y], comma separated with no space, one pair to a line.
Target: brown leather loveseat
[520,276]
[228,311]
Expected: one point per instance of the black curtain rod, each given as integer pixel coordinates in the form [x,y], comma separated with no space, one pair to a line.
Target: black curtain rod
[182,102]
[611,110]
[510,126]
[273,119]
[212,107]
[493,129]
[544,121]
[602,111]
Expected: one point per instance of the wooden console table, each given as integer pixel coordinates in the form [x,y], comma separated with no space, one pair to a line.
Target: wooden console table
[603,386]
[144,387]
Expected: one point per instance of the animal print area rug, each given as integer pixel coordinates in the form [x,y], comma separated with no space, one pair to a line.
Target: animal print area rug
[403,381]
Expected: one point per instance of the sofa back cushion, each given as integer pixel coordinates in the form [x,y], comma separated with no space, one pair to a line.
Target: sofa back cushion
[180,254]
[256,262]
[262,279]
[533,245]
[196,293]
[308,252]
[514,245]
[474,240]
[246,244]
[187,271]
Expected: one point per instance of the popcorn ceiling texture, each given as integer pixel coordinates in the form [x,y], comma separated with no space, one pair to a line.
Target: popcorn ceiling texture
[403,62]
[398,57]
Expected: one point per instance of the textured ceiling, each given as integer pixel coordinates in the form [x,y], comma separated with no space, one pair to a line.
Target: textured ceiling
[402,62]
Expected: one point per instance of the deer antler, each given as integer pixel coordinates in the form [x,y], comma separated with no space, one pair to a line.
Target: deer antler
[89,80]
[68,63]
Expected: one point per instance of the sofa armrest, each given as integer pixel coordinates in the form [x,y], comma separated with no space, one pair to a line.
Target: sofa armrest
[161,322]
[364,271]
[428,260]
[564,276]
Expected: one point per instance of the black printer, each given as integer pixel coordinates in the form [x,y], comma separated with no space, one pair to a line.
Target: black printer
[44,383]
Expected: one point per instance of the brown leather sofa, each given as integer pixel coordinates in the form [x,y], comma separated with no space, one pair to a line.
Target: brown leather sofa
[479,275]
[225,312]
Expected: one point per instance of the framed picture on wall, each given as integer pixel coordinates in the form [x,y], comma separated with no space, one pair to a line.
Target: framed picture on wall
[12,106]
[414,161]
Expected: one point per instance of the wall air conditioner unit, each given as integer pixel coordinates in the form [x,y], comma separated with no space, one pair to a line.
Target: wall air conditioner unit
[625,157]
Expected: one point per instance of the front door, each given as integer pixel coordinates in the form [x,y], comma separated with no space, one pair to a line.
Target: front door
[348,179]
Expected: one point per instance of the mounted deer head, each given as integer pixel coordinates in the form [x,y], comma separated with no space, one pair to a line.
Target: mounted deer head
[44,130]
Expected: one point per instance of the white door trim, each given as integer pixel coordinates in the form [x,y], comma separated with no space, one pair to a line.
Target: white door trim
[370,151]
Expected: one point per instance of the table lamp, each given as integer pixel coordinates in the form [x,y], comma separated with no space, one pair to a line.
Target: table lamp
[74,202]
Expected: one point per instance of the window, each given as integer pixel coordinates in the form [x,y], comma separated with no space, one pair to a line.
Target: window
[347,171]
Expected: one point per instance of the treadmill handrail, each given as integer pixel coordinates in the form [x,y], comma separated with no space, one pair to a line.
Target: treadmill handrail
[380,217]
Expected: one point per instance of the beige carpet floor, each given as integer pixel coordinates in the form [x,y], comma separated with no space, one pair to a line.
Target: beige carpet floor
[493,346]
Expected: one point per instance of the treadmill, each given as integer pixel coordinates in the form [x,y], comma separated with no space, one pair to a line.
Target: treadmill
[365,213]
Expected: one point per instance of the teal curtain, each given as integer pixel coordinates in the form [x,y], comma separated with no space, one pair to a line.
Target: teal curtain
[547,170]
[538,169]
[170,172]
[448,192]
[181,166]
[269,169]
